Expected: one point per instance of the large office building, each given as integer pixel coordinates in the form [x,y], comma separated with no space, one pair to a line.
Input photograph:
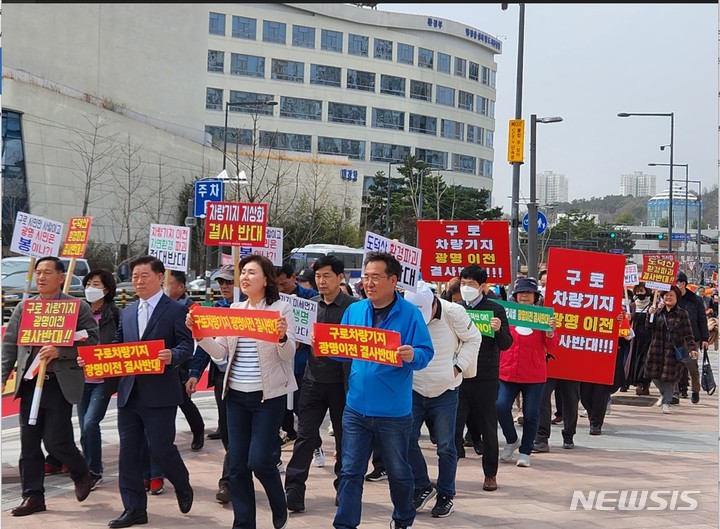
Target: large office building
[637,184]
[551,188]
[155,88]
[684,201]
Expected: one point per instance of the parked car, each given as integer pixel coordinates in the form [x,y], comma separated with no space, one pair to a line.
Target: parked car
[21,263]
[197,286]
[13,286]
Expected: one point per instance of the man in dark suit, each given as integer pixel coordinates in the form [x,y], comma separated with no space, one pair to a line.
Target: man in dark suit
[63,387]
[147,404]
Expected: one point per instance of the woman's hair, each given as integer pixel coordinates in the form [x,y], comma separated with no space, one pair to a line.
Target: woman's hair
[675,289]
[271,289]
[453,287]
[107,278]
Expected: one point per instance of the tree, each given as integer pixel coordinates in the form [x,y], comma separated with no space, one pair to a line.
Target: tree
[158,209]
[664,223]
[626,219]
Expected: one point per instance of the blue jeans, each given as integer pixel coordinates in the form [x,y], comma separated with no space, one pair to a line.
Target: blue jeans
[91,411]
[532,397]
[359,435]
[253,425]
[441,410]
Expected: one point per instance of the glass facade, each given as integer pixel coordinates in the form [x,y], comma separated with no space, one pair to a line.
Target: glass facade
[14,178]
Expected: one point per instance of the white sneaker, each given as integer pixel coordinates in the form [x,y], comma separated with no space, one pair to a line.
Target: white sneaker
[281,467]
[666,408]
[331,432]
[507,452]
[319,457]
[523,460]
[658,403]
[583,412]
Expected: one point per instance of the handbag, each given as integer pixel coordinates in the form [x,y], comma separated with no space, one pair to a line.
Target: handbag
[681,353]
[707,380]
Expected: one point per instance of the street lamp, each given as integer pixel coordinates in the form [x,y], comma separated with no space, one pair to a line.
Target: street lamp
[671,115]
[515,205]
[228,104]
[686,198]
[532,205]
[699,234]
[387,205]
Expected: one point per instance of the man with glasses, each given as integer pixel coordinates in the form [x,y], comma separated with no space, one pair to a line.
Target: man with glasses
[379,398]
[63,387]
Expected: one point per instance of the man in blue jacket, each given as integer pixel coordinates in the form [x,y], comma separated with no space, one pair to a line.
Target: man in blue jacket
[379,398]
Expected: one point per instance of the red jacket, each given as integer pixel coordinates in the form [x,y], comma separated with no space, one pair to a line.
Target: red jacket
[524,362]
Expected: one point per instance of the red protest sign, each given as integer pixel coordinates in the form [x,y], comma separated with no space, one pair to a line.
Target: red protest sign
[77,237]
[48,322]
[658,272]
[585,289]
[448,246]
[249,323]
[358,343]
[235,224]
[120,359]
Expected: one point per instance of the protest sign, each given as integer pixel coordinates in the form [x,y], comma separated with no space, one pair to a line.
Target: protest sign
[585,289]
[77,237]
[531,316]
[448,246]
[631,275]
[249,323]
[659,273]
[36,236]
[235,224]
[48,322]
[120,359]
[357,343]
[304,314]
[408,256]
[170,244]
[481,319]
[273,248]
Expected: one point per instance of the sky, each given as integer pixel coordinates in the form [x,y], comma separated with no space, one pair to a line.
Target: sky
[588,62]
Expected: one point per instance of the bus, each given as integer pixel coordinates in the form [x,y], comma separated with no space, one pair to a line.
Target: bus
[304,257]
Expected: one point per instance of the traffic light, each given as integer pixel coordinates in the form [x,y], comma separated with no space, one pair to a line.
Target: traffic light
[660,236]
[612,234]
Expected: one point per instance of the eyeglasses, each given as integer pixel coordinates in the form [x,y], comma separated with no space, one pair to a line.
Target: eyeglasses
[224,282]
[372,279]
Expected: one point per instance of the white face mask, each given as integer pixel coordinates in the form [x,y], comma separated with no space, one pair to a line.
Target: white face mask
[93,294]
[469,293]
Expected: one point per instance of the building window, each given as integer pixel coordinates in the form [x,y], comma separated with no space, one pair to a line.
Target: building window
[486,168]
[423,124]
[386,152]
[420,90]
[388,119]
[460,67]
[353,149]
[14,176]
[475,134]
[358,45]
[216,61]
[485,106]
[325,75]
[303,37]
[464,164]
[488,77]
[435,159]
[244,28]
[359,80]
[331,40]
[349,114]
[251,97]
[445,96]
[274,32]
[392,85]
[452,129]
[285,141]
[248,65]
[214,98]
[490,138]
[383,49]
[466,100]
[217,24]
[235,135]
[288,71]
[425,58]
[295,107]
[443,64]
[474,71]
[405,53]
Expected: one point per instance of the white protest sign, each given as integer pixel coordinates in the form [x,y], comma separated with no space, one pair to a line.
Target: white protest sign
[170,244]
[273,248]
[36,236]
[408,256]
[631,275]
[304,314]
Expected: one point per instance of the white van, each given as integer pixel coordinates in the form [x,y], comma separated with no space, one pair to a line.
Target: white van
[11,265]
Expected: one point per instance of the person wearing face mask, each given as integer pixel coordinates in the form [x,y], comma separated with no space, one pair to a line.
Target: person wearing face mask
[478,394]
[100,290]
[642,299]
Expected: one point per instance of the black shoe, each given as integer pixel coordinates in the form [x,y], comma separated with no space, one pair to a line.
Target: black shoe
[695,397]
[478,448]
[295,502]
[214,435]
[281,521]
[130,517]
[198,442]
[185,499]
[29,505]
[377,475]
[422,496]
[83,486]
[443,506]
[541,446]
[684,394]
[595,430]
[675,401]
[95,480]
[223,494]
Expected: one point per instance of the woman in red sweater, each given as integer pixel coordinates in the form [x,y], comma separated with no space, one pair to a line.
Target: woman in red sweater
[523,370]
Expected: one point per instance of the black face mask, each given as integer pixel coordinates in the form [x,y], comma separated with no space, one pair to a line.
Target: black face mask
[640,296]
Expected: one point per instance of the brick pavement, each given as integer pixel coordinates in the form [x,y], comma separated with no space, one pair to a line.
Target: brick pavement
[640,449]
